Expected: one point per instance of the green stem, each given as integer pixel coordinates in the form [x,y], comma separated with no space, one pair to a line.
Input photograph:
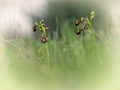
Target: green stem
[44,35]
[96,46]
[47,50]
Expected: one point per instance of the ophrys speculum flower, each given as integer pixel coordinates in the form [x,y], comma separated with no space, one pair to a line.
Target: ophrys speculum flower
[84,24]
[43,28]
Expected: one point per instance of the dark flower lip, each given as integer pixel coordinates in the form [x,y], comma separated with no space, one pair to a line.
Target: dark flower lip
[77,22]
[78,32]
[34,28]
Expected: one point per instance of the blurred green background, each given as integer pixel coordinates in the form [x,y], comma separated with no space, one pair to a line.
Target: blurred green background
[74,62]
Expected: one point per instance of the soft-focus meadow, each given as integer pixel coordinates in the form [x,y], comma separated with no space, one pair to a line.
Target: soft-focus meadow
[72,62]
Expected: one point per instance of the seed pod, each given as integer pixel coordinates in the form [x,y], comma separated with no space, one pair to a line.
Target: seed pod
[43,39]
[77,22]
[78,32]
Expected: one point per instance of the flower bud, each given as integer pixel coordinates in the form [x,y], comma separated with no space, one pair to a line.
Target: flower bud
[82,20]
[43,39]
[92,15]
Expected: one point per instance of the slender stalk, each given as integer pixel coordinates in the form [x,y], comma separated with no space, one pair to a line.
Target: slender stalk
[42,28]
[47,50]
[46,44]
[92,32]
[95,44]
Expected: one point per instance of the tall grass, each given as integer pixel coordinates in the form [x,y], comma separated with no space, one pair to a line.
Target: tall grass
[78,57]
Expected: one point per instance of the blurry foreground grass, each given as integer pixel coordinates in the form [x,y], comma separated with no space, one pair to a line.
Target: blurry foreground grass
[72,58]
